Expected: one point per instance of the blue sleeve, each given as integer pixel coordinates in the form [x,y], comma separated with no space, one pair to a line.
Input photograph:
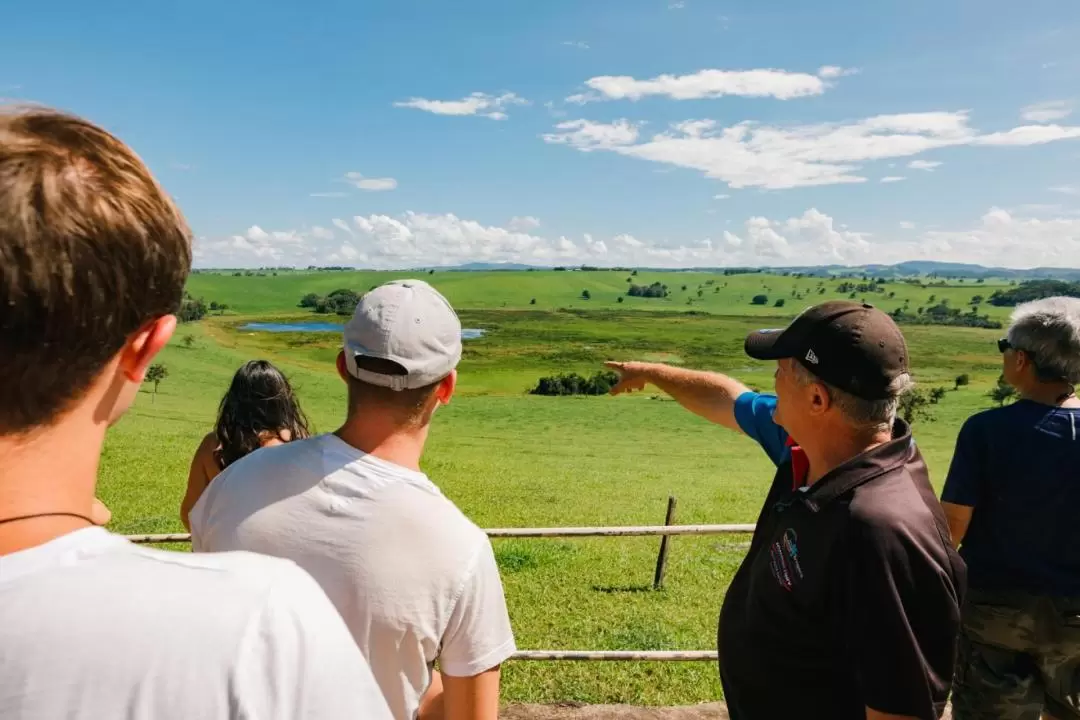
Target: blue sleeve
[754,413]
[965,474]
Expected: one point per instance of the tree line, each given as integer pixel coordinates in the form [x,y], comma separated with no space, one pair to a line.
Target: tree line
[599,383]
[1034,290]
[339,302]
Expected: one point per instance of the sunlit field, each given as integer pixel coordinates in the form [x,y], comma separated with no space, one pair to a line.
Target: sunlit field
[510,459]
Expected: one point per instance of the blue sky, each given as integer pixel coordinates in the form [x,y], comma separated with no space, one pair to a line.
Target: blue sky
[652,132]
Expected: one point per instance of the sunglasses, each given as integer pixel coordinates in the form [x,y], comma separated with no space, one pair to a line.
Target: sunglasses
[1004,344]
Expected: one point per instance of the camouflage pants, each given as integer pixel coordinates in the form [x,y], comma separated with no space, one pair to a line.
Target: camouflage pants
[1018,656]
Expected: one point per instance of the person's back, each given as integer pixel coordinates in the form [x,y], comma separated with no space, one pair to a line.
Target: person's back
[392,553]
[93,260]
[1011,498]
[95,627]
[414,579]
[1024,534]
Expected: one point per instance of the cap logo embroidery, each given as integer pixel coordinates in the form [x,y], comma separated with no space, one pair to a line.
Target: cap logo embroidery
[811,357]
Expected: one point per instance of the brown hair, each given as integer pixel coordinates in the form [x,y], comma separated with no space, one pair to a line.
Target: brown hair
[91,249]
[406,406]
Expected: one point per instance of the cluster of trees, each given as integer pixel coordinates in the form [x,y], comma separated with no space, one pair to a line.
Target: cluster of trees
[338,302]
[1034,290]
[942,314]
[575,384]
[656,290]
[864,287]
[764,300]
[916,404]
[193,309]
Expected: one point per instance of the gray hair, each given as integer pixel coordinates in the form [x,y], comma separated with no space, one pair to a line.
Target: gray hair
[1049,329]
[876,415]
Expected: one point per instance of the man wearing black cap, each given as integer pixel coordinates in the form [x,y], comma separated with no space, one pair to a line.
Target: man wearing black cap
[847,604]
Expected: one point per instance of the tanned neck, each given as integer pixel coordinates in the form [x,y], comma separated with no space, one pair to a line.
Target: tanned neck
[1051,394]
[841,446]
[399,445]
[45,474]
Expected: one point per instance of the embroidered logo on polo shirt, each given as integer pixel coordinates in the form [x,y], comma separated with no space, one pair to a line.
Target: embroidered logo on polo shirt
[784,560]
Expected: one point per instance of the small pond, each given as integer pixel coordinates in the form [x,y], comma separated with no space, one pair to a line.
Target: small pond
[466,333]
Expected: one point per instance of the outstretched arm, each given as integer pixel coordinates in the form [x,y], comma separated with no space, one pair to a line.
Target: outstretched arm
[708,394]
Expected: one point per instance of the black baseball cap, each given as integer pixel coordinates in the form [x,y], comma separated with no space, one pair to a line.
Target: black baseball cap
[853,346]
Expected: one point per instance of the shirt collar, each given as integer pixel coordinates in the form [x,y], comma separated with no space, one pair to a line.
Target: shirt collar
[863,467]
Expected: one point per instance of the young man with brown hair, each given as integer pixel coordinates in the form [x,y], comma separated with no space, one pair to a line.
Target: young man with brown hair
[93,259]
[415,580]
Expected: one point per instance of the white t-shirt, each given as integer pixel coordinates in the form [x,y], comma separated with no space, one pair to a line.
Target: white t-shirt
[414,579]
[93,627]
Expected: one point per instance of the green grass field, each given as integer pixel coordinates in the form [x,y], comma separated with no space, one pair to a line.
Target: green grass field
[510,459]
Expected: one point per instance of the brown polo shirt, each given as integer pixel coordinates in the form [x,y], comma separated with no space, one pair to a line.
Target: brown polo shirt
[849,596]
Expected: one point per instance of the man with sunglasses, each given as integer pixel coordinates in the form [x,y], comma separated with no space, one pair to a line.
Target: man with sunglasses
[847,604]
[1012,498]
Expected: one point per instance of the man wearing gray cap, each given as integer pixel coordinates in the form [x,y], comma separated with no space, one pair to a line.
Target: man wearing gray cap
[413,578]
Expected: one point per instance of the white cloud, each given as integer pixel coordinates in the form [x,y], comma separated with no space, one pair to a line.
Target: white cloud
[477,103]
[676,5]
[1067,190]
[1029,135]
[1046,111]
[812,238]
[892,178]
[721,197]
[750,154]
[778,84]
[835,71]
[526,222]
[586,135]
[370,184]
[579,44]
[342,225]
[928,165]
[328,194]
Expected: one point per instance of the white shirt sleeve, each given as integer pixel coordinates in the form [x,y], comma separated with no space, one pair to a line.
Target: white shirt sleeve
[298,660]
[478,636]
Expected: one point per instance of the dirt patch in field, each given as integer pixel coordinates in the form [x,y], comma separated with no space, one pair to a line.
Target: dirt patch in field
[577,711]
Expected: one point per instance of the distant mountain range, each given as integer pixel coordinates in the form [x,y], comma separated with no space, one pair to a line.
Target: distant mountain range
[904,269]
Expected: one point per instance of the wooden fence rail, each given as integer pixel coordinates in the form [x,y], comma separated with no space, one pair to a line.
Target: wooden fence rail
[629,531]
[665,531]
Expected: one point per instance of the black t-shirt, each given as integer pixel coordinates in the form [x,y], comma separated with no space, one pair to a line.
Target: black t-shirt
[850,594]
[1019,467]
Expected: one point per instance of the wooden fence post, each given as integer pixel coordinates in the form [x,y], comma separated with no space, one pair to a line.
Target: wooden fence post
[661,559]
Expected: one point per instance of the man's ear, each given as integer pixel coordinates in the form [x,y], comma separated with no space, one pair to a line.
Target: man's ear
[820,400]
[1023,360]
[446,388]
[144,345]
[342,367]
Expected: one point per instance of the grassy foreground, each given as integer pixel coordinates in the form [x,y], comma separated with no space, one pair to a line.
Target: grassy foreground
[509,459]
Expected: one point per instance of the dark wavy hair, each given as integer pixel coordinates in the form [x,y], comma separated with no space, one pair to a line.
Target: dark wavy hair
[260,400]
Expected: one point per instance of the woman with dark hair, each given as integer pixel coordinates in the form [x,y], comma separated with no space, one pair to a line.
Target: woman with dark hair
[258,410]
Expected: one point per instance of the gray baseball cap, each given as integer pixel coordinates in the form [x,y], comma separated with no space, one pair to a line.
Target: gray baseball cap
[407,322]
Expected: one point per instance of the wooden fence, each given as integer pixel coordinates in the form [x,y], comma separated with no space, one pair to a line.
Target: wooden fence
[665,531]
